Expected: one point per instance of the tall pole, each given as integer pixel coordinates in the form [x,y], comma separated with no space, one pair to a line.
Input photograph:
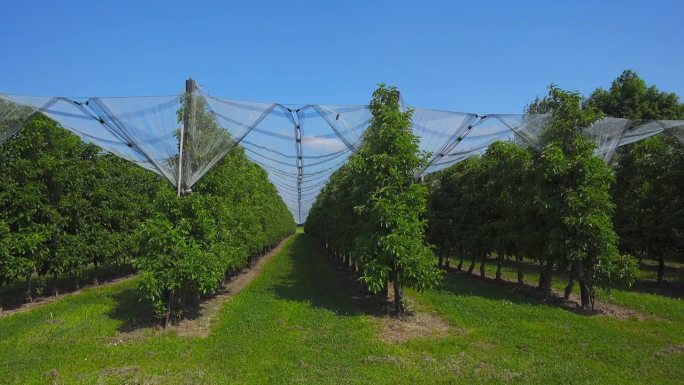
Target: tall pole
[189,89]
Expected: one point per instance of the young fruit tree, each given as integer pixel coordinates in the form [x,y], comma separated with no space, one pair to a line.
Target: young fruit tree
[193,242]
[387,227]
[573,199]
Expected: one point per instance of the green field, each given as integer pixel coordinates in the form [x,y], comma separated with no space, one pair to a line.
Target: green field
[297,323]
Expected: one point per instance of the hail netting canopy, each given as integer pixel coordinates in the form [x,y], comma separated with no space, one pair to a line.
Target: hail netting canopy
[181,137]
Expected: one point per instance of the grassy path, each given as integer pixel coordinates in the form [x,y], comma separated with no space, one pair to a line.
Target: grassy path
[295,324]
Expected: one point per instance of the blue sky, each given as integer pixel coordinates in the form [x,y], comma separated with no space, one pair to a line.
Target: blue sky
[486,56]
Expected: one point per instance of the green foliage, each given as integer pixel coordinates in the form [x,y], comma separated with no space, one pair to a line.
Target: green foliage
[614,269]
[65,204]
[630,97]
[372,208]
[648,216]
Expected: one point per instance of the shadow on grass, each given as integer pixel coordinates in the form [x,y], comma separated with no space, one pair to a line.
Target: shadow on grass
[321,281]
[466,284]
[134,311]
[317,279]
[673,285]
[668,288]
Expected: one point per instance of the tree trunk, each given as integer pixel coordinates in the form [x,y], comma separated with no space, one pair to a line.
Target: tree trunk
[548,277]
[440,262]
[571,281]
[460,262]
[55,289]
[521,274]
[584,289]
[384,293]
[483,259]
[29,290]
[398,294]
[472,265]
[76,283]
[499,262]
[95,281]
[540,285]
[661,270]
[169,306]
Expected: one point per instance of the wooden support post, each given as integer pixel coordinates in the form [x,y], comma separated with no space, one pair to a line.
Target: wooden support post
[189,89]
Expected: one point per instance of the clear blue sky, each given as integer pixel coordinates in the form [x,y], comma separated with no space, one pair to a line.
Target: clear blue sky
[475,56]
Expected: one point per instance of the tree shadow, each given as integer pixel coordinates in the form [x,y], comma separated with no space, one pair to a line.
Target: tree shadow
[667,288]
[133,310]
[136,312]
[672,286]
[318,279]
[466,284]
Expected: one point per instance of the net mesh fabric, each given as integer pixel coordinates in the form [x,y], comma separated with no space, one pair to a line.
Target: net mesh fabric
[181,137]
[14,113]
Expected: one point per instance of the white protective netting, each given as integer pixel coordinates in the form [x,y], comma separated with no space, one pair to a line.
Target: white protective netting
[299,146]
[15,111]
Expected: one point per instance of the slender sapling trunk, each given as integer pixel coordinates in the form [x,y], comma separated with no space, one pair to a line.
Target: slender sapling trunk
[584,289]
[499,262]
[483,259]
[95,281]
[55,289]
[521,275]
[571,281]
[472,264]
[661,269]
[169,306]
[398,294]
[29,290]
[548,277]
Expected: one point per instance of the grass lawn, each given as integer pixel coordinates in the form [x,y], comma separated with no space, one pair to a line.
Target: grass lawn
[295,324]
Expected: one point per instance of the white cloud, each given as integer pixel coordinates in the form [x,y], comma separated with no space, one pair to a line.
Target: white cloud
[324,144]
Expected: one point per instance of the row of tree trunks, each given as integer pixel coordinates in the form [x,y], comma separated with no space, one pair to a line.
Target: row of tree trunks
[28,293]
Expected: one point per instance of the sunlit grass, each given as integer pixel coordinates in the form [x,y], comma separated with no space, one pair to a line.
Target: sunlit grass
[295,324]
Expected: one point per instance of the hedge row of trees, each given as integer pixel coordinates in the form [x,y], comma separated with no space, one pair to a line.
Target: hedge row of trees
[66,206]
[556,203]
[552,204]
[191,244]
[371,212]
